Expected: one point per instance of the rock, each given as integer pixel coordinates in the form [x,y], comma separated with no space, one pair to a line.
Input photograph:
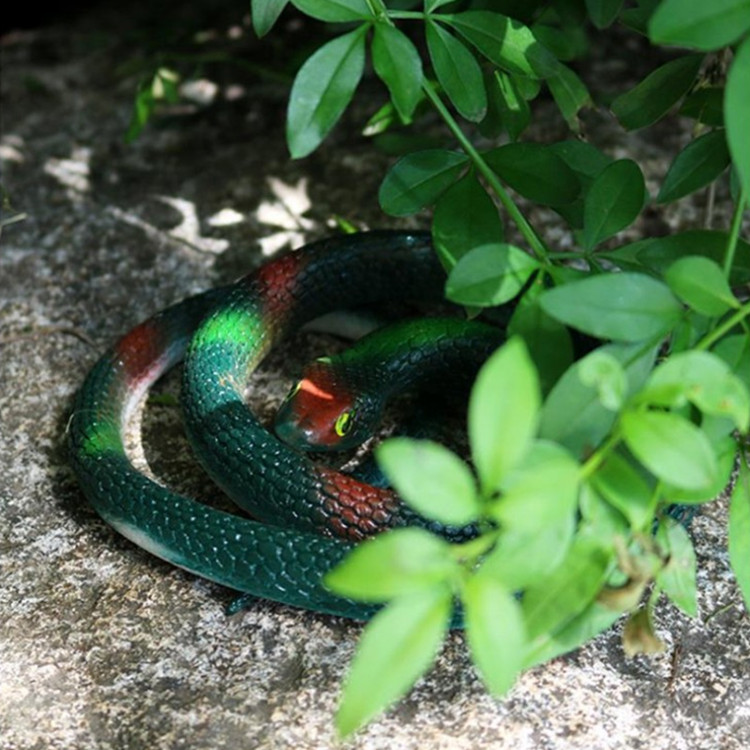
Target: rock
[102,645]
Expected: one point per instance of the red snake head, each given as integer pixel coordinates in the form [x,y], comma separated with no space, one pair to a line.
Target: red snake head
[320,412]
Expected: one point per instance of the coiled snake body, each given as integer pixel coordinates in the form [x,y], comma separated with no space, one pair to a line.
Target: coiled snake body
[223,335]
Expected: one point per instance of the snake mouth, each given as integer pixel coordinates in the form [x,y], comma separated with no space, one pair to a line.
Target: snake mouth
[296,435]
[316,414]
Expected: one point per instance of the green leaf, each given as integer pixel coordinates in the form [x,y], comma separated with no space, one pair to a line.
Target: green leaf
[521,558]
[594,619]
[335,11]
[506,107]
[566,43]
[162,86]
[586,161]
[637,18]
[689,331]
[718,429]
[432,5]
[503,412]
[265,13]
[431,479]
[570,94]
[418,180]
[623,486]
[457,71]
[490,275]
[739,532]
[397,63]
[699,163]
[322,89]
[573,414]
[658,253]
[602,518]
[395,649]
[603,12]
[613,202]
[701,284]
[677,577]
[541,490]
[618,306]
[725,449]
[706,105]
[704,380]
[401,561]
[604,372]
[143,108]
[670,447]
[735,351]
[705,26]
[494,630]
[554,601]
[737,111]
[465,217]
[383,120]
[548,341]
[504,41]
[657,93]
[529,88]
[535,171]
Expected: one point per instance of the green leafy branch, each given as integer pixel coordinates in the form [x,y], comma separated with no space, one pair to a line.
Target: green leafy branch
[577,463]
[537,581]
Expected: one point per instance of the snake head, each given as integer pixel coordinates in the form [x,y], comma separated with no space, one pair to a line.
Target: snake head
[322,411]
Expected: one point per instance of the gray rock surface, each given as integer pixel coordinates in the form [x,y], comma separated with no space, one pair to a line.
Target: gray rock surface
[104,647]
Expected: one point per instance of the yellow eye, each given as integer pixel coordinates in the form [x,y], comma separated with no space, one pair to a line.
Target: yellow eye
[343,423]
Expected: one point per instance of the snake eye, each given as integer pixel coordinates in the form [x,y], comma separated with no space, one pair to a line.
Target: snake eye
[343,423]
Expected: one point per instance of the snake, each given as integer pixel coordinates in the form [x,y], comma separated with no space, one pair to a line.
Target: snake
[305,518]
[338,402]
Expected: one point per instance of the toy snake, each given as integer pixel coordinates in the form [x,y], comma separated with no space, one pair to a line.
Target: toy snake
[339,401]
[223,335]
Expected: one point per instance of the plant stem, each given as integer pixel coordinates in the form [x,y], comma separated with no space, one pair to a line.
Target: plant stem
[734,232]
[473,549]
[413,15]
[726,326]
[595,460]
[536,244]
[538,248]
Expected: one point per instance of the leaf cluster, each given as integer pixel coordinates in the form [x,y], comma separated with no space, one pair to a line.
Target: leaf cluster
[577,463]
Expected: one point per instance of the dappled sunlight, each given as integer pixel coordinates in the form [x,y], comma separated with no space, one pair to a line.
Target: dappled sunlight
[11,148]
[189,230]
[284,214]
[226,217]
[199,90]
[72,173]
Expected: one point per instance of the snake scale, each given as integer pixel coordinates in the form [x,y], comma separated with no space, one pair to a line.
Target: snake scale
[305,518]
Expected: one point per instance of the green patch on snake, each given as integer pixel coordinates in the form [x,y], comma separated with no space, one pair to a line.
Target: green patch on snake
[228,326]
[106,438]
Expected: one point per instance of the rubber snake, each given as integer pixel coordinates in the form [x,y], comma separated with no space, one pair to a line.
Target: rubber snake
[339,401]
[223,334]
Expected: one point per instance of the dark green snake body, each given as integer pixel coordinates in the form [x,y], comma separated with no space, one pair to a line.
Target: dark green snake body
[226,332]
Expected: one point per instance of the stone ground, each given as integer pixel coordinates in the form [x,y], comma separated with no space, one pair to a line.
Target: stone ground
[101,645]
